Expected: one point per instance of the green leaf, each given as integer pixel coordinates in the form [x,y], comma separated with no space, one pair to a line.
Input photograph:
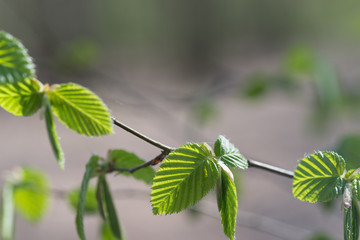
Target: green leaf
[106,233]
[110,211]
[31,194]
[80,110]
[356,188]
[8,212]
[21,98]
[51,129]
[349,148]
[351,221]
[91,167]
[90,205]
[100,196]
[317,177]
[15,63]
[184,177]
[227,204]
[229,154]
[123,159]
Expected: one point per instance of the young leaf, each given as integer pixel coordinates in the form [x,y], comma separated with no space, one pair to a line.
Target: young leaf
[227,204]
[91,167]
[21,98]
[90,205]
[106,233]
[100,196]
[229,154]
[15,63]
[351,221]
[110,211]
[31,194]
[123,159]
[8,212]
[80,110]
[317,177]
[185,176]
[51,129]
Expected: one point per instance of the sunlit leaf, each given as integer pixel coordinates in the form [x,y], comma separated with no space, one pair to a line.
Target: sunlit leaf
[90,205]
[51,130]
[227,203]
[229,154]
[8,212]
[80,110]
[31,194]
[91,167]
[317,177]
[184,177]
[15,63]
[123,159]
[108,208]
[21,98]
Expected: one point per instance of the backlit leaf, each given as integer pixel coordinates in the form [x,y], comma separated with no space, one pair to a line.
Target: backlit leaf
[317,177]
[123,159]
[15,63]
[228,204]
[229,154]
[91,167]
[31,194]
[184,177]
[21,98]
[80,110]
[51,130]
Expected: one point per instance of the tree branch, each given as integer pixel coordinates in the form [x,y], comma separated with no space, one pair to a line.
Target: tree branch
[271,168]
[142,136]
[166,150]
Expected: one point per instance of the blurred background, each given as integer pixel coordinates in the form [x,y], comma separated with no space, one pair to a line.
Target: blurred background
[279,78]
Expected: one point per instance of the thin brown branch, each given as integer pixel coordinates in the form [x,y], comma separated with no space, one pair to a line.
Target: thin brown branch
[271,168]
[156,160]
[142,136]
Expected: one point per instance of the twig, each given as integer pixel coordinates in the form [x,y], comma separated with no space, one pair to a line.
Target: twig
[142,136]
[271,168]
[152,162]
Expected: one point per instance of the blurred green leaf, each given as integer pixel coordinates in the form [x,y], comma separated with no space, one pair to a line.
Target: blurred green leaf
[78,55]
[299,60]
[15,63]
[349,148]
[31,194]
[106,233]
[227,203]
[80,110]
[184,177]
[110,211]
[21,98]
[123,159]
[8,211]
[90,204]
[256,86]
[204,111]
[317,177]
[90,171]
[51,130]
[320,236]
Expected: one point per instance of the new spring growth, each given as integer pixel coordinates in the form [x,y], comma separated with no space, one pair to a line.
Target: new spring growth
[347,196]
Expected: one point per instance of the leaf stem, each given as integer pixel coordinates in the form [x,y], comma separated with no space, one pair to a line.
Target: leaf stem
[142,136]
[156,160]
[271,168]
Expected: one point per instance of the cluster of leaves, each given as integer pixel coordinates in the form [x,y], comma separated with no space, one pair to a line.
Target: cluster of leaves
[322,177]
[23,95]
